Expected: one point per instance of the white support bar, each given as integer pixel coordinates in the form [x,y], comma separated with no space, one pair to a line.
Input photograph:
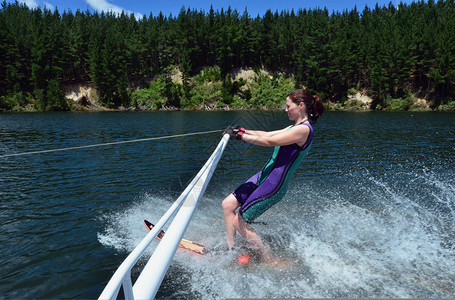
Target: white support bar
[153,273]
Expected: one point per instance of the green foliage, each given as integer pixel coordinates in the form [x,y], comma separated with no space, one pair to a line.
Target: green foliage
[352,91]
[172,93]
[40,99]
[209,74]
[269,92]
[16,101]
[391,104]
[388,51]
[55,97]
[204,94]
[230,89]
[152,97]
[448,105]
[10,103]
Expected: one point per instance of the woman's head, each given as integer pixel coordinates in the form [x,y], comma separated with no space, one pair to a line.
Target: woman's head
[313,104]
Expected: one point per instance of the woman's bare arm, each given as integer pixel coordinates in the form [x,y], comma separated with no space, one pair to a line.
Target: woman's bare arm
[265,133]
[296,135]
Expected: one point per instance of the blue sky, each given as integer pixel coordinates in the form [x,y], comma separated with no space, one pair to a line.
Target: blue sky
[173,7]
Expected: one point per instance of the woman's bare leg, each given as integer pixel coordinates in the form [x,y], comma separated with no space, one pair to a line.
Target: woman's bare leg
[229,205]
[250,235]
[234,222]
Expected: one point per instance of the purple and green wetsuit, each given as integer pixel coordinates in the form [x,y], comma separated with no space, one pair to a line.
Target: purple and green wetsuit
[269,186]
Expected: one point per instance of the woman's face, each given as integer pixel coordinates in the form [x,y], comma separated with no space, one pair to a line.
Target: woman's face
[293,109]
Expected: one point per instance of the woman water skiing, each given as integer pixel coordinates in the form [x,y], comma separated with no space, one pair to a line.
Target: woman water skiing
[268,186]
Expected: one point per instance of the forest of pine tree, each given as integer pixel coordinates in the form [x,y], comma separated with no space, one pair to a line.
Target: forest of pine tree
[391,52]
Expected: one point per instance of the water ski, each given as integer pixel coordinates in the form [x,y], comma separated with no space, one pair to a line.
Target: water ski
[185,245]
[200,250]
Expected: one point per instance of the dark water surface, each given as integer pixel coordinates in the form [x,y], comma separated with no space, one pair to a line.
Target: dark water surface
[370,213]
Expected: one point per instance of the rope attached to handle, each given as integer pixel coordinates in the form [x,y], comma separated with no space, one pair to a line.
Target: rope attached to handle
[109,144]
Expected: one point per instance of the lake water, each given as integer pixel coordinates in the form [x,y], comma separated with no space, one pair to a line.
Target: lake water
[370,213]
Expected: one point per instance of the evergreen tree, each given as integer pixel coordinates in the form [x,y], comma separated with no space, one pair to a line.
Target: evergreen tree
[55,98]
[389,51]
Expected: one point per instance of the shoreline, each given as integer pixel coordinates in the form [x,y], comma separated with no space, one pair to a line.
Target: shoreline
[85,98]
[132,109]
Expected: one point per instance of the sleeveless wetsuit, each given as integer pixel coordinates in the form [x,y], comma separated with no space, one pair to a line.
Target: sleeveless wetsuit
[269,186]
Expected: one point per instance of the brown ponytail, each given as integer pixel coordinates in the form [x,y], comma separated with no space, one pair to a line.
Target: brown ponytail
[314,105]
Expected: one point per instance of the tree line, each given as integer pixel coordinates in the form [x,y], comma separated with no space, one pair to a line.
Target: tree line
[389,51]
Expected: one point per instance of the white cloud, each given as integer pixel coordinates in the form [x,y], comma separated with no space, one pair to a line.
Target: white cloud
[49,6]
[104,5]
[30,3]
